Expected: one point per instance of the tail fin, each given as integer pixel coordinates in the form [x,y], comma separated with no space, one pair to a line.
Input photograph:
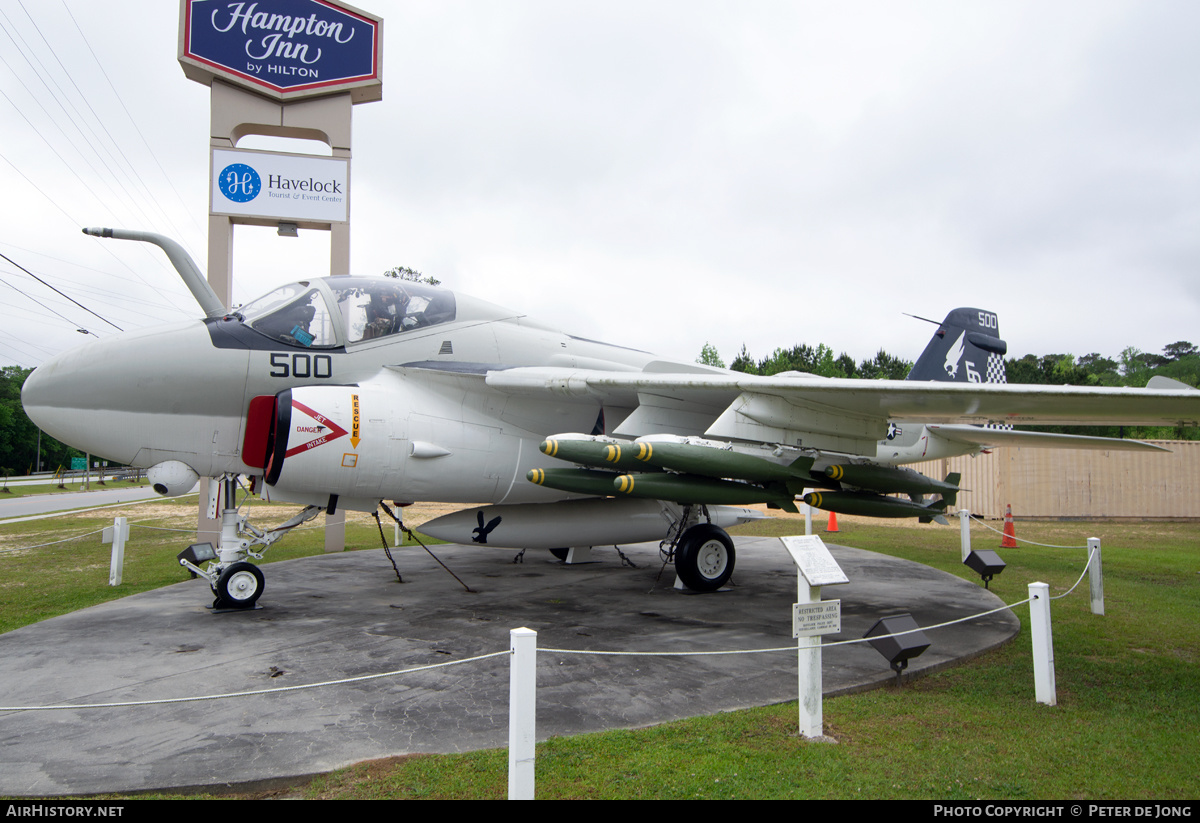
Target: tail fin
[936,510]
[951,498]
[966,348]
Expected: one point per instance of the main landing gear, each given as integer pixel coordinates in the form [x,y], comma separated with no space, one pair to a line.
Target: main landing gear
[704,558]
[703,553]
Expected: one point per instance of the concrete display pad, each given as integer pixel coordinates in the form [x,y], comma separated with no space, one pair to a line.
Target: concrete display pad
[345,615]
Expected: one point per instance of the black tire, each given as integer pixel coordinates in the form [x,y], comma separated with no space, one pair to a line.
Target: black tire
[240,586]
[561,554]
[705,558]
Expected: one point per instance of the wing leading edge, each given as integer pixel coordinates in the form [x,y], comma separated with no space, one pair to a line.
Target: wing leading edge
[840,414]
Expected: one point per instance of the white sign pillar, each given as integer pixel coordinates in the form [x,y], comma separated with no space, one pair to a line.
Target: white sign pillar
[1043,644]
[964,531]
[1096,575]
[522,713]
[116,565]
[808,668]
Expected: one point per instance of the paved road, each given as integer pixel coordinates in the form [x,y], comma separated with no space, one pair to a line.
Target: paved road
[36,504]
[344,615]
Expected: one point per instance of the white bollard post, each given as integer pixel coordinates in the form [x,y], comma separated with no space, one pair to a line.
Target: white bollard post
[397,542]
[116,565]
[808,667]
[1096,576]
[807,518]
[522,713]
[1043,644]
[964,531]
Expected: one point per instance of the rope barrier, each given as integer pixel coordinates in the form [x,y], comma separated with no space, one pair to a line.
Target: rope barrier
[1082,574]
[169,700]
[51,543]
[365,678]
[979,520]
[598,653]
[1006,607]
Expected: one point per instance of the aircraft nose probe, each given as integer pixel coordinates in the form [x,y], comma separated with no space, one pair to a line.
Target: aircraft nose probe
[180,259]
[236,583]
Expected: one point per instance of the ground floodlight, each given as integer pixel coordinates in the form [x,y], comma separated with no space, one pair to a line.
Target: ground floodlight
[898,650]
[198,553]
[986,563]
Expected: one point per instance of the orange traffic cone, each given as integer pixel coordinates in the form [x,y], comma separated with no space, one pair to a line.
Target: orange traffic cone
[1010,532]
[832,527]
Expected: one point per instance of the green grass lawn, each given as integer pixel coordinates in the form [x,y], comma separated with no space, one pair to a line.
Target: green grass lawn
[1124,727]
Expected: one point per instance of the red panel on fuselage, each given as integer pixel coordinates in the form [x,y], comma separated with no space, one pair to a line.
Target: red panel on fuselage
[259,420]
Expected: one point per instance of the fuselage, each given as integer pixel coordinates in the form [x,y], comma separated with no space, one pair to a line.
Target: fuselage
[368,388]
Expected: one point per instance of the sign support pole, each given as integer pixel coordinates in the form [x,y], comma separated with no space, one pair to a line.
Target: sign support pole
[808,666]
[812,618]
[275,94]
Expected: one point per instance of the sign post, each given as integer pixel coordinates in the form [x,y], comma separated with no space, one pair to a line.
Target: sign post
[281,68]
[811,618]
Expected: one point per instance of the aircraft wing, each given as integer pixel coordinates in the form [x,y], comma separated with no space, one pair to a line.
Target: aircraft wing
[835,414]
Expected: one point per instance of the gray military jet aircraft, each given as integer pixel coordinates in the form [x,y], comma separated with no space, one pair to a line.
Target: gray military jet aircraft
[343,392]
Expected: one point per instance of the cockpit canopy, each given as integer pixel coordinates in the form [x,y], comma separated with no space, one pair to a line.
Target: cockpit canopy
[329,312]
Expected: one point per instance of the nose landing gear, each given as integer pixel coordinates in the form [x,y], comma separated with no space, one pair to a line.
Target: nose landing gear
[236,583]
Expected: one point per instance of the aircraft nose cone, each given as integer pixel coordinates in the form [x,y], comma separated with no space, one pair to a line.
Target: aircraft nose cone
[44,390]
[62,395]
[107,396]
[33,393]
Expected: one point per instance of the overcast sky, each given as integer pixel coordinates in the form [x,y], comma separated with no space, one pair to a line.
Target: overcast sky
[659,174]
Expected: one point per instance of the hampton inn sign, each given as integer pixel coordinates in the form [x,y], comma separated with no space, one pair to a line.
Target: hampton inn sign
[284,49]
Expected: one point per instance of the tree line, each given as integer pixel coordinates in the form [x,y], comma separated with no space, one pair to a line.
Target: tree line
[18,434]
[818,360]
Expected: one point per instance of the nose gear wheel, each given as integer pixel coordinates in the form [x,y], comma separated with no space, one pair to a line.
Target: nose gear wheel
[239,586]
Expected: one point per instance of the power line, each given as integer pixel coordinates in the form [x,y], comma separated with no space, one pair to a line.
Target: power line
[106,248]
[123,165]
[132,122]
[121,194]
[47,308]
[57,291]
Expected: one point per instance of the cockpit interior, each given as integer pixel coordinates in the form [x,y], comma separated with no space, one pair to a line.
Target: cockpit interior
[326,313]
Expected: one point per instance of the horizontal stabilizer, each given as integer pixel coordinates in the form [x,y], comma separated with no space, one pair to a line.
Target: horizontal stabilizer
[982,436]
